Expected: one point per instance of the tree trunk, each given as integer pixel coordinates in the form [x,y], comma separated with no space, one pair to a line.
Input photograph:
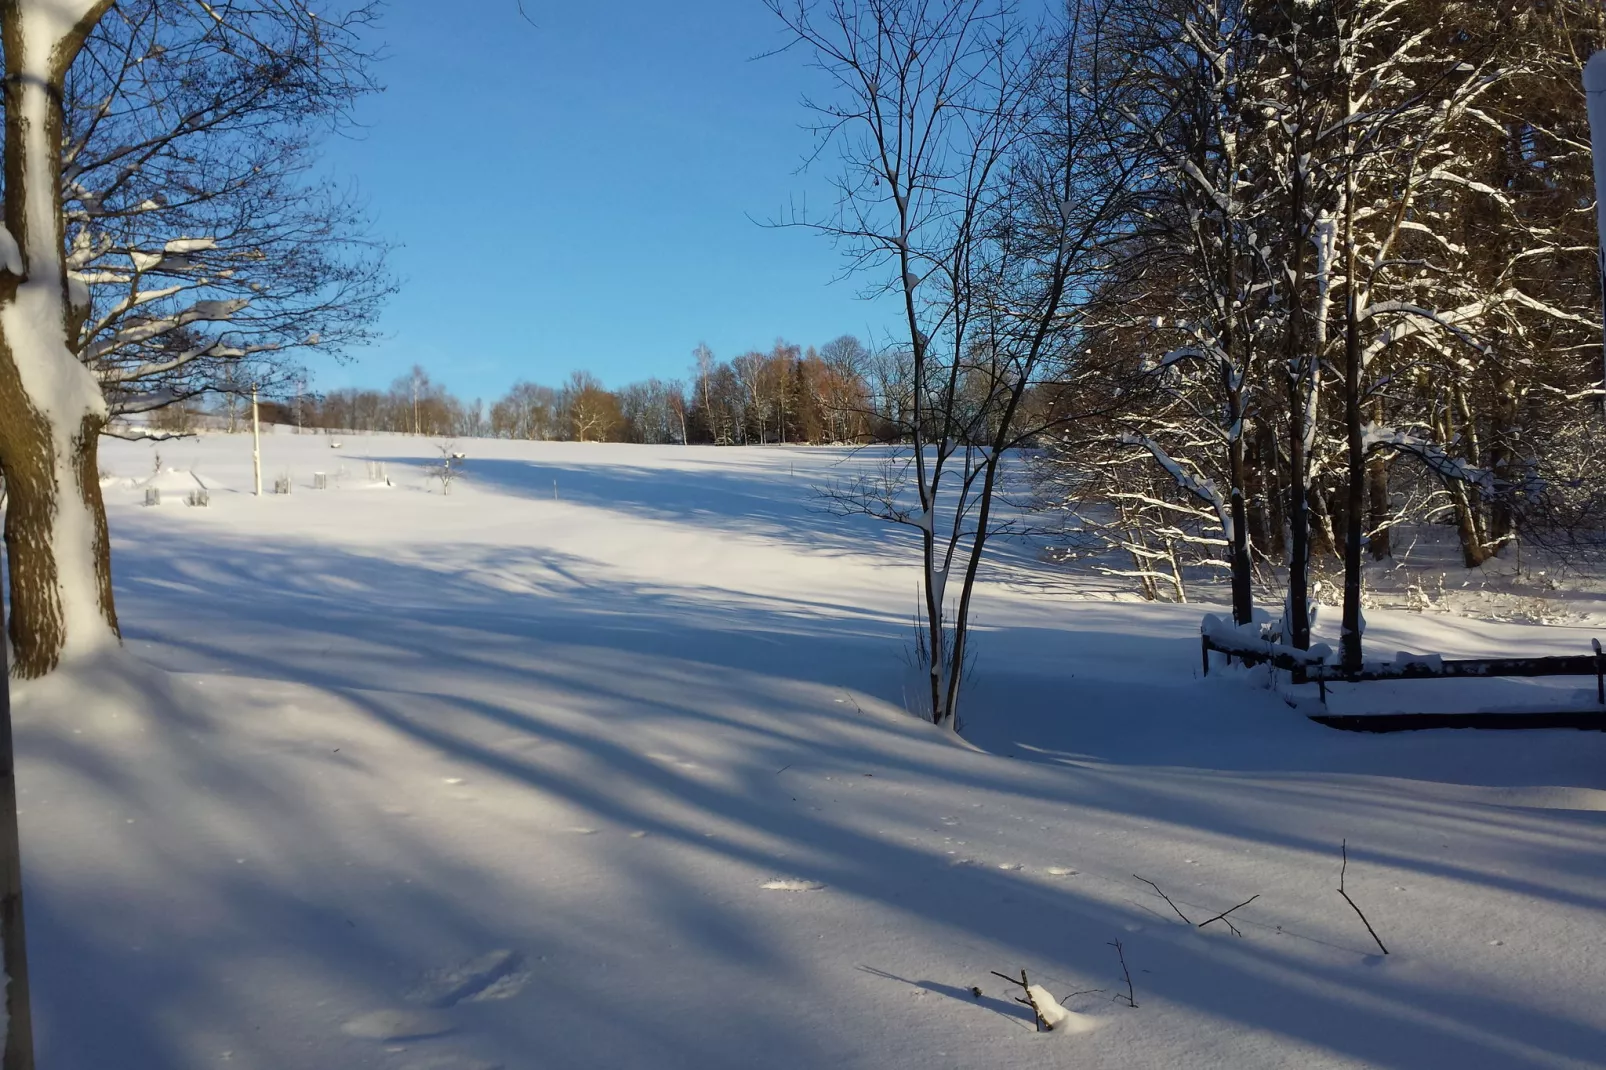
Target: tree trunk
[1502,462]
[1324,538]
[13,935]
[1273,543]
[1378,499]
[51,408]
[1241,559]
[1300,370]
[1354,498]
[1473,550]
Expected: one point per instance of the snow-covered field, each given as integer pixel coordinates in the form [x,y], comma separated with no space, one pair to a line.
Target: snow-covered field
[602,761]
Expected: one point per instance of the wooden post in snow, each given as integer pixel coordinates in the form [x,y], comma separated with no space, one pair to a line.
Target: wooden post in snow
[18,1010]
[1595,103]
[256,441]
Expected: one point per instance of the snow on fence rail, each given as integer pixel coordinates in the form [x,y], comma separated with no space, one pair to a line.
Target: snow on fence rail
[1314,666]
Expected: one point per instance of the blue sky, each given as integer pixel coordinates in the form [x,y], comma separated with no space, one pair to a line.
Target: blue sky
[580,193]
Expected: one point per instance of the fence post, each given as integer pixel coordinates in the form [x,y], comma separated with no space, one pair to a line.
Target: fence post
[1600,673]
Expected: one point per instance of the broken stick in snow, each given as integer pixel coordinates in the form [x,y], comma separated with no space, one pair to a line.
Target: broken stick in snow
[1344,848]
[1162,895]
[1043,1024]
[1121,954]
[1223,915]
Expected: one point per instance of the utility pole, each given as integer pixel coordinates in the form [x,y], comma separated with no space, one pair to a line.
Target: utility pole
[18,1010]
[417,427]
[256,441]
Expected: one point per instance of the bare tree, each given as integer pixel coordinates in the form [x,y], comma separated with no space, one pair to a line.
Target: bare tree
[974,188]
[135,196]
[195,219]
[591,412]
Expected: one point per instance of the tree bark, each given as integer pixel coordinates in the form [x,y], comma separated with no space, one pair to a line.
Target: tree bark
[1299,370]
[1354,503]
[51,408]
[1378,507]
[13,935]
[1241,559]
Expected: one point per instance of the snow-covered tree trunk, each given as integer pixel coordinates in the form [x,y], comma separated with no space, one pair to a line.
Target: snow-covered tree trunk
[51,408]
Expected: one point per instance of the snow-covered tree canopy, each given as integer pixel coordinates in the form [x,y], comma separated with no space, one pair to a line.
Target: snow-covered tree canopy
[1415,174]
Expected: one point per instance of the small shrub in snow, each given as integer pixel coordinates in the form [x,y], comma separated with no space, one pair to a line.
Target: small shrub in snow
[449,467]
[281,485]
[199,498]
[153,496]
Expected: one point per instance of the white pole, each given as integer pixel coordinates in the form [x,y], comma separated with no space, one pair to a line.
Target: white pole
[256,441]
[1595,103]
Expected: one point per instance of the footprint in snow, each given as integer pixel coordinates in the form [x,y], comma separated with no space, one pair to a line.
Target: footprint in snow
[1061,871]
[672,760]
[581,830]
[397,1024]
[1009,866]
[791,884]
[492,976]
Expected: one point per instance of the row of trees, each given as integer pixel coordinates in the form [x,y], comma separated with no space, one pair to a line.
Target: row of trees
[787,395]
[1266,278]
[1357,286]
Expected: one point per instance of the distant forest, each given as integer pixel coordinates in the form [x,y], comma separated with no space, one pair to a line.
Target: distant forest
[840,392]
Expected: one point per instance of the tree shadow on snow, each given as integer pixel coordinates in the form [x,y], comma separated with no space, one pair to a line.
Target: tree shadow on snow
[710,722]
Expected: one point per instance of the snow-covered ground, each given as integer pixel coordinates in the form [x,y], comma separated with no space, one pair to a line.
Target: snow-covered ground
[602,761]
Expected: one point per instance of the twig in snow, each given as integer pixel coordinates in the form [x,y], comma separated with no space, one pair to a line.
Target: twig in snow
[1223,915]
[1025,986]
[1162,895]
[1344,848]
[1121,954]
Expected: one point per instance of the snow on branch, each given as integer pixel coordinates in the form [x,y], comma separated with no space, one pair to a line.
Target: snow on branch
[144,330]
[1374,437]
[1202,487]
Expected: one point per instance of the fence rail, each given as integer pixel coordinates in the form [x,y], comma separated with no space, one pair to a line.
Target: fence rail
[1415,667]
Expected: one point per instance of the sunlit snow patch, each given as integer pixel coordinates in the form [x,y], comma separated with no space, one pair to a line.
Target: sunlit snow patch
[792,884]
[396,1024]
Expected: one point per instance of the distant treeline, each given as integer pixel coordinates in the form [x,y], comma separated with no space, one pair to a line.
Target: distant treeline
[790,394]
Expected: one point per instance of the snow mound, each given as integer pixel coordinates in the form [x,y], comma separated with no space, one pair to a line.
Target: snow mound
[108,693]
[1057,1017]
[791,884]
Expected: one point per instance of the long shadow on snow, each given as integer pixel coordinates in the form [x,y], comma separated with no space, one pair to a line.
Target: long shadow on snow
[569,647]
[737,500]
